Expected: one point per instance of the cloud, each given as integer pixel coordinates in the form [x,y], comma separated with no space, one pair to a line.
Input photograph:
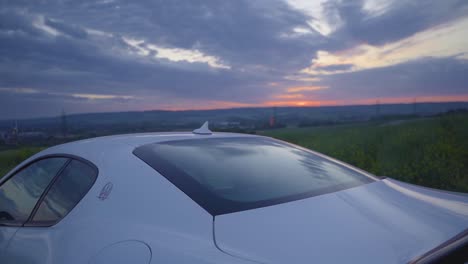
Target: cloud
[20,105]
[56,49]
[71,30]
[289,96]
[305,89]
[427,79]
[174,54]
[241,32]
[390,21]
[427,43]
[34,93]
[318,19]
[103,96]
[418,78]
[140,55]
[56,63]
[335,67]
[19,90]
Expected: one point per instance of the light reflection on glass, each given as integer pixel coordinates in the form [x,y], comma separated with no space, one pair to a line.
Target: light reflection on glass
[66,192]
[19,194]
[251,170]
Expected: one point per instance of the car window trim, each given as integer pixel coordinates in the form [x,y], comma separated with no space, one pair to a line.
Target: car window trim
[11,174]
[69,157]
[15,172]
[30,222]
[46,191]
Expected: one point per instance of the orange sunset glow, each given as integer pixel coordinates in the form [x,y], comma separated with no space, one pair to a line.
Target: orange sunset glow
[294,102]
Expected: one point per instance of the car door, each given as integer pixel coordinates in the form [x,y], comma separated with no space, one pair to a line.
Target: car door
[20,193]
[40,238]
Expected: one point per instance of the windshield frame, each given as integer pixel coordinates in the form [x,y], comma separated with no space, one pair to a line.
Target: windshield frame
[217,205]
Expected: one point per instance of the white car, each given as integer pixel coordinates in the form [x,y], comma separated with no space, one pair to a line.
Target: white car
[218,198]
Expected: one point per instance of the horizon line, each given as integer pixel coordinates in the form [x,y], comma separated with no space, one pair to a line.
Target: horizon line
[376,102]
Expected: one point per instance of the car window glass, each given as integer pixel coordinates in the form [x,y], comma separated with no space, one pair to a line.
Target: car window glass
[72,184]
[233,174]
[250,170]
[19,194]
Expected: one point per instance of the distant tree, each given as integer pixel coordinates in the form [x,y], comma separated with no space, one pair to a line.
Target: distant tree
[377,109]
[272,121]
[64,125]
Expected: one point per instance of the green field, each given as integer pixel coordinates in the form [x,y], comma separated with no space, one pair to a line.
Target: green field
[10,158]
[432,152]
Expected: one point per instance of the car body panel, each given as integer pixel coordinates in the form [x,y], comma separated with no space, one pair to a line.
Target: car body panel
[130,201]
[132,251]
[142,205]
[6,233]
[385,222]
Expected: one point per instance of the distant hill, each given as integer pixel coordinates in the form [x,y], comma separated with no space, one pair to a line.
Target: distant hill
[123,122]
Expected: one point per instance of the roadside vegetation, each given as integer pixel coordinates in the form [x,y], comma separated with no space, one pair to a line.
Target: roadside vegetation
[10,158]
[432,152]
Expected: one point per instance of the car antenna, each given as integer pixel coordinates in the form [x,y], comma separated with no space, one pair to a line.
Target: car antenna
[203,130]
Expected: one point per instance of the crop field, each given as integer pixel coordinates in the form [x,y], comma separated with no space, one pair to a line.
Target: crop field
[432,152]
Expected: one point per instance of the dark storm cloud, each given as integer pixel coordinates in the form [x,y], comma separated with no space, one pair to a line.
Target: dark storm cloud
[336,67]
[71,30]
[16,21]
[241,32]
[427,76]
[249,38]
[399,20]
[63,63]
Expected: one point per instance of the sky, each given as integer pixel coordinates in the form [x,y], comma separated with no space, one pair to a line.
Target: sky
[138,55]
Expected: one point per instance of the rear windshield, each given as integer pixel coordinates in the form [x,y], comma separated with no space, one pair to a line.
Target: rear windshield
[226,175]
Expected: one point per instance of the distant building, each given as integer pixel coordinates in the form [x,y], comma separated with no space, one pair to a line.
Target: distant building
[272,122]
[10,137]
[33,135]
[227,124]
[64,126]
[2,136]
[14,136]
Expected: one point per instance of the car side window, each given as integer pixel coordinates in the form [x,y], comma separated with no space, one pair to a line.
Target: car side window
[69,188]
[20,193]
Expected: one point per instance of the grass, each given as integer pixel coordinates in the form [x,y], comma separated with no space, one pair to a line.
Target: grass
[431,152]
[10,158]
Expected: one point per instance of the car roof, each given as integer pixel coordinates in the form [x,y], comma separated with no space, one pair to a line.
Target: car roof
[94,149]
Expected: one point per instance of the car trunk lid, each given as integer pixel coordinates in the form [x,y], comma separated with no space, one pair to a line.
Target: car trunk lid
[384,222]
